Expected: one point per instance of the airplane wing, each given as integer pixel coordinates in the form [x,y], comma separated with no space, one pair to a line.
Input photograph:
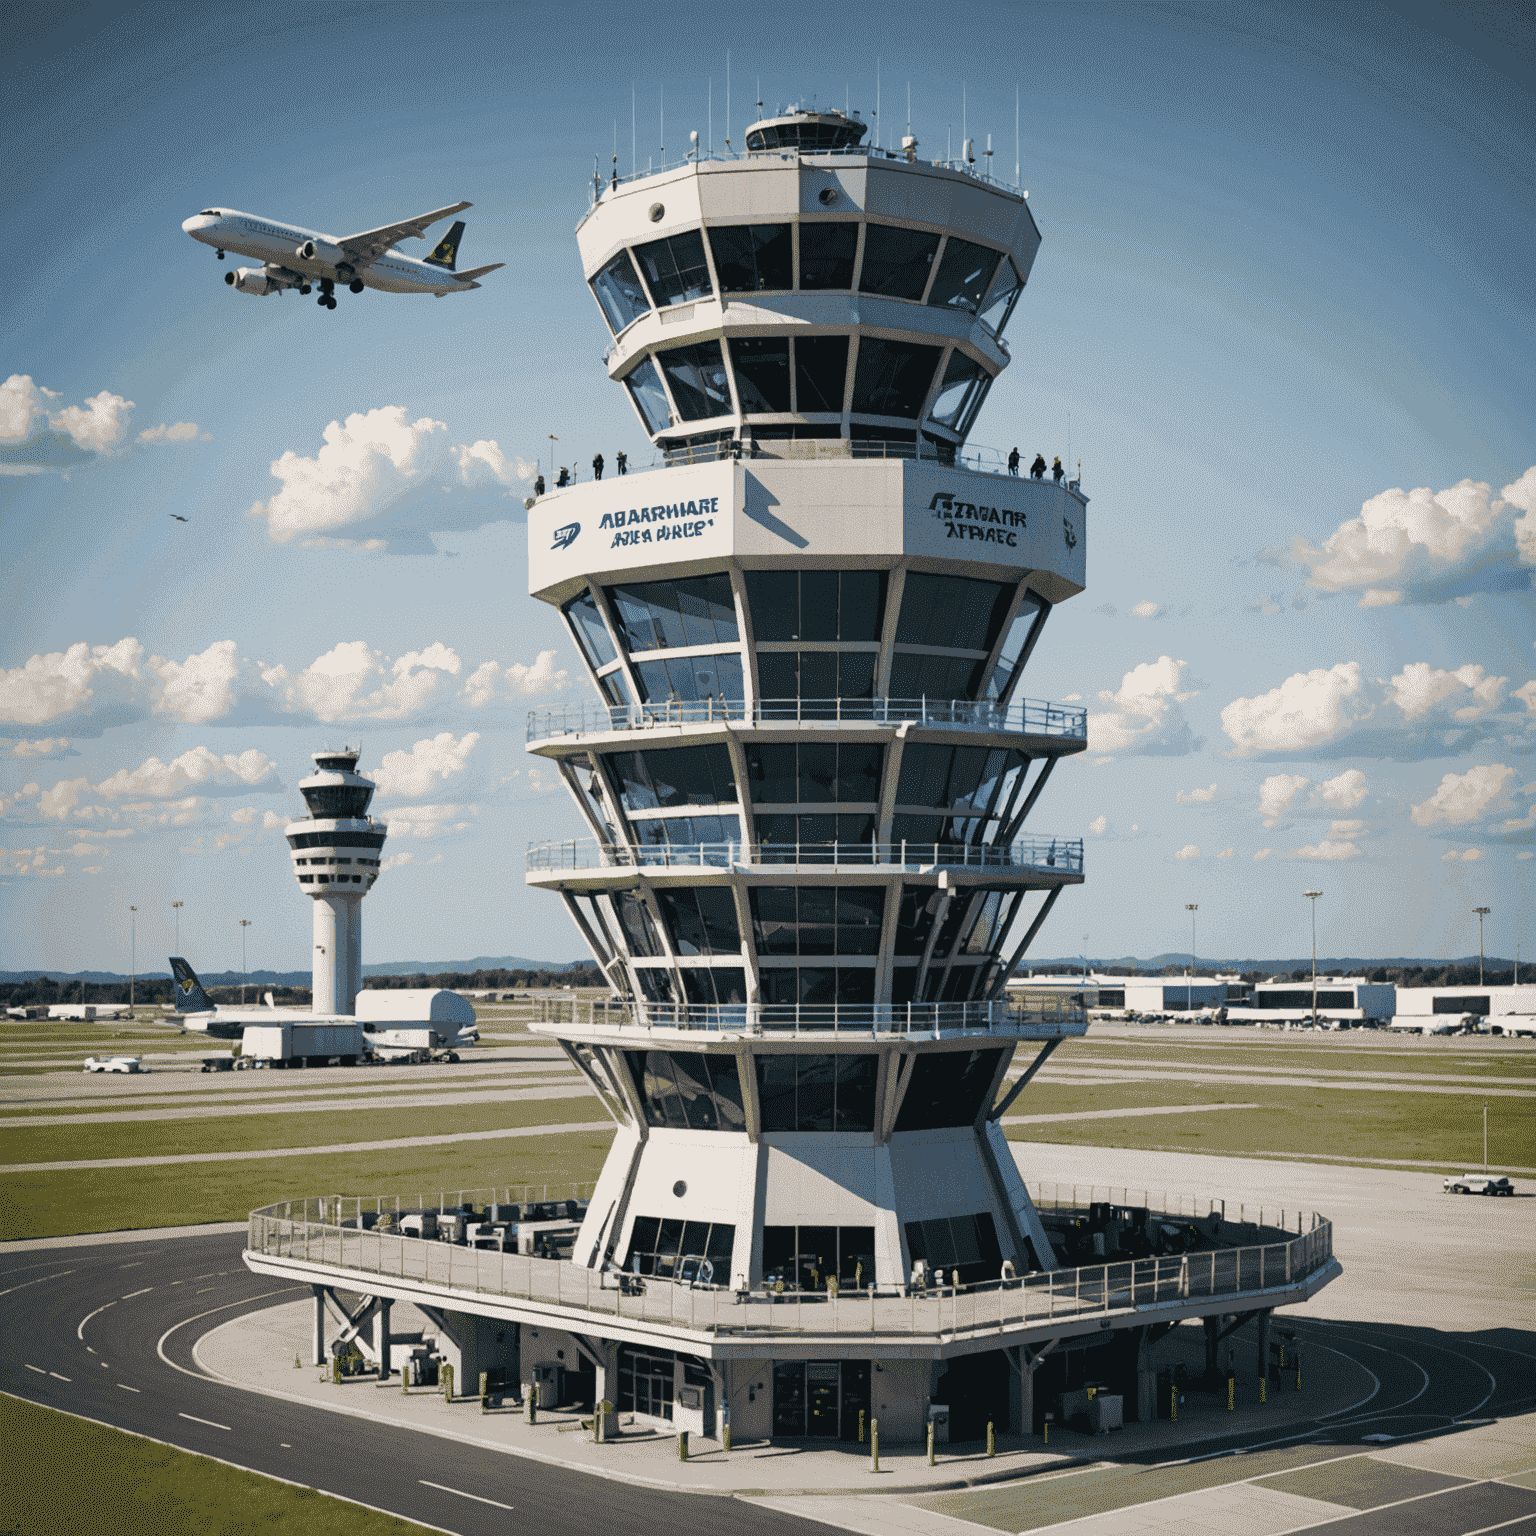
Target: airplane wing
[366,248]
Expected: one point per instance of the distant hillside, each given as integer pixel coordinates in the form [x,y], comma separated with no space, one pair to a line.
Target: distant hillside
[1329,965]
[303,978]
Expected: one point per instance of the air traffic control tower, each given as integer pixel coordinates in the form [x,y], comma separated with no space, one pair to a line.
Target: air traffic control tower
[809,778]
[335,852]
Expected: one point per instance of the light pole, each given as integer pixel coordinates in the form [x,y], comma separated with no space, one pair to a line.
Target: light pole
[1482,912]
[1085,957]
[552,441]
[176,906]
[1312,897]
[245,923]
[133,953]
[1189,992]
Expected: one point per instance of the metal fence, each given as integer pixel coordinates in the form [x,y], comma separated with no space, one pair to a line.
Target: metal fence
[1028,717]
[1056,855]
[286,1231]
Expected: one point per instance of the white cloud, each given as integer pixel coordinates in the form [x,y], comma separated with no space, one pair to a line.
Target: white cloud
[1428,546]
[1527,695]
[1145,610]
[1345,829]
[48,748]
[1527,854]
[378,463]
[63,682]
[1188,851]
[98,426]
[61,802]
[199,689]
[23,409]
[1196,796]
[1464,797]
[1465,856]
[1276,794]
[1343,793]
[1226,853]
[161,781]
[1307,709]
[428,764]
[1144,715]
[1328,849]
[542,677]
[395,860]
[271,821]
[1263,853]
[1099,825]
[353,682]
[428,820]
[244,816]
[180,432]
[1420,688]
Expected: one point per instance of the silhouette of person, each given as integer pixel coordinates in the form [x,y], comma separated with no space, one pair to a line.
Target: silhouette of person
[1013,462]
[597,466]
[621,459]
[1037,469]
[1056,470]
[563,479]
[538,486]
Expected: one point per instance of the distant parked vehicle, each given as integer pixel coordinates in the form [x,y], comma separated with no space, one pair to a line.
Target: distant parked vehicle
[1476,1184]
[112,1064]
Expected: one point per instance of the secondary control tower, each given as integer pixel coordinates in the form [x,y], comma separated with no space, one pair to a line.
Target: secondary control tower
[335,853]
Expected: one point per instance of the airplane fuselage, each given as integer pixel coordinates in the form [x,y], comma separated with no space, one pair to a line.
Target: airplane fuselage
[278,245]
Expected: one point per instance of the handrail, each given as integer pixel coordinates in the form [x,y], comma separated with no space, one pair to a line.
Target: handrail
[1060,855]
[1026,717]
[314,1236]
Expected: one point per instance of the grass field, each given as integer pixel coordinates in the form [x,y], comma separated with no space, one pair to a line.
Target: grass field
[102,1481]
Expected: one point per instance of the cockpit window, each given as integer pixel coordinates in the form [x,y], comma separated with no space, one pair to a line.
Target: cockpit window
[214,212]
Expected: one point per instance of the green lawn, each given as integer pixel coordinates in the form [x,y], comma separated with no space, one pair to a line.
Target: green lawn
[1312,1056]
[183,1194]
[65,1475]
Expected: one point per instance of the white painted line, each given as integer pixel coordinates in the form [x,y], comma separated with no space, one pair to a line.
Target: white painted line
[209,1422]
[443,1488]
[80,1331]
[39,1281]
[40,1371]
[57,1377]
[136,1264]
[131,1294]
[1503,1525]
[124,1387]
[1354,1514]
[199,1375]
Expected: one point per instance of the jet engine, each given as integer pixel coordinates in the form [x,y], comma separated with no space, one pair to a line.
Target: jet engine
[252,280]
[321,251]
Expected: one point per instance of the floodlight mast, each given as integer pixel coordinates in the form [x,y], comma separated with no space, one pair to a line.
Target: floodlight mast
[1189,992]
[1482,912]
[1312,897]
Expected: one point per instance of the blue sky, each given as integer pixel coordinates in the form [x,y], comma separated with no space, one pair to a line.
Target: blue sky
[1283,307]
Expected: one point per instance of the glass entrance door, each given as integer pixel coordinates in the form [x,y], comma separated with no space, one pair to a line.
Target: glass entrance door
[822,1400]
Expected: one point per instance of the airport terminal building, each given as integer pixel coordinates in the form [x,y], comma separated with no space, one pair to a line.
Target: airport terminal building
[809,776]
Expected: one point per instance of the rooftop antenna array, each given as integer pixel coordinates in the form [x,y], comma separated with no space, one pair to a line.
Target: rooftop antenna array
[727,101]
[634,158]
[1016,182]
[877,103]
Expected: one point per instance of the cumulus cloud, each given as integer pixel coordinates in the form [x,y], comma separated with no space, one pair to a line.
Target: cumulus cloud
[178,432]
[1226,853]
[1099,825]
[244,816]
[1328,849]
[1188,851]
[47,749]
[62,683]
[1196,796]
[1263,853]
[1465,797]
[1145,610]
[380,467]
[1343,793]
[157,780]
[428,764]
[354,682]
[1346,828]
[1276,794]
[1144,715]
[429,820]
[1420,688]
[1425,546]
[1307,709]
[97,426]
[271,821]
[489,681]
[1464,856]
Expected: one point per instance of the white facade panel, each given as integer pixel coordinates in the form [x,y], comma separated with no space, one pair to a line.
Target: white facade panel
[813,1182]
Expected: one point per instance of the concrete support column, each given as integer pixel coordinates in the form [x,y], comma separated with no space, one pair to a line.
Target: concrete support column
[330,947]
[354,954]
[317,1331]
[381,1337]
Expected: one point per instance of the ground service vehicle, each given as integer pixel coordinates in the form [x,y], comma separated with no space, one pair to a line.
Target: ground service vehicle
[1476,1184]
[289,1044]
[112,1064]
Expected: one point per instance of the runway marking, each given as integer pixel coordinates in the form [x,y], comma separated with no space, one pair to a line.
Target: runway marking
[40,1371]
[131,1294]
[137,1264]
[443,1488]
[209,1422]
[80,1331]
[1503,1525]
[123,1386]
[57,1377]
[40,1279]
[244,1301]
[1354,1514]
[204,1291]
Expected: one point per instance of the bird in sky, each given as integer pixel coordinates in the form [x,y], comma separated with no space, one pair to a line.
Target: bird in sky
[179,518]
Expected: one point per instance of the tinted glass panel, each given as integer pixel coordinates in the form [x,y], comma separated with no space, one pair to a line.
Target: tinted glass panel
[951,1244]
[815,1093]
[722,985]
[1031,611]
[639,930]
[817,920]
[619,292]
[892,377]
[650,398]
[816,605]
[959,380]
[762,372]
[675,268]
[697,610]
[933,677]
[690,680]
[896,261]
[786,774]
[697,377]
[965,274]
[856,1099]
[940,776]
[826,255]
[951,611]
[947,1089]
[702,920]
[673,776]
[341,801]
[821,371]
[749,257]
[998,304]
[591,632]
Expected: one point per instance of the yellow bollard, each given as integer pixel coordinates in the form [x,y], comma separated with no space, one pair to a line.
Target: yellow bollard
[1298,1374]
[446,1376]
[861,1426]
[1173,1404]
[533,1402]
[930,1442]
[485,1391]
[1045,1431]
[1231,1392]
[682,1445]
[1263,1390]
[405,1377]
[991,1439]
[335,1370]
[725,1437]
[874,1445]
[296,1362]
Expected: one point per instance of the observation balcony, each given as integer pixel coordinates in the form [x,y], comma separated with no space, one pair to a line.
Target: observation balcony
[332,1240]
[1058,858]
[1025,717]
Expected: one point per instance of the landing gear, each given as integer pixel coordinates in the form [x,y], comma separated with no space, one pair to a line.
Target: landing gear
[356,285]
[327,294]
[219,254]
[304,289]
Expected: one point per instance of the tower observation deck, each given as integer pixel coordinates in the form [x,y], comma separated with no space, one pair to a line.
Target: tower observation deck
[809,778]
[336,858]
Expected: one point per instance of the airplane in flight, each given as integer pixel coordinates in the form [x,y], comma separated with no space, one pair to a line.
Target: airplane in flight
[292,257]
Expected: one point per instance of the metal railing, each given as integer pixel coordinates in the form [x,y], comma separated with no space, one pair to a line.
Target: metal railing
[1055,856]
[1039,1015]
[291,1231]
[1028,717]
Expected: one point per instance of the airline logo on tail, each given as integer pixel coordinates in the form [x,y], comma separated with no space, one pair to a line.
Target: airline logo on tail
[190,997]
[447,252]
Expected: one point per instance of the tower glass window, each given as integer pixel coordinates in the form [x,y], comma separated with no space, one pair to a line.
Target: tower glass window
[697,377]
[947,1088]
[639,931]
[665,615]
[645,389]
[1004,294]
[961,379]
[675,268]
[826,254]
[689,1090]
[954,612]
[701,920]
[816,605]
[892,377]
[1029,619]
[816,1093]
[817,919]
[964,276]
[762,372]
[821,372]
[691,680]
[897,261]
[752,257]
[673,776]
[590,631]
[341,801]
[783,773]
[619,293]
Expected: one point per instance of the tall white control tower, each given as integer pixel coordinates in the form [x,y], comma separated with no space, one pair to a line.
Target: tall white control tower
[335,853]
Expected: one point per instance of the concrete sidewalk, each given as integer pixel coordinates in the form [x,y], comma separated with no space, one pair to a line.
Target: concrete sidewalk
[257,1352]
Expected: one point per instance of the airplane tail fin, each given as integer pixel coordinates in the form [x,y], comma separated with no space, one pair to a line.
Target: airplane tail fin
[190,997]
[474,272]
[447,251]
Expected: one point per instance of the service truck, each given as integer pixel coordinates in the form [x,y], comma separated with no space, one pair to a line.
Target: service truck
[416,1024]
[292,1044]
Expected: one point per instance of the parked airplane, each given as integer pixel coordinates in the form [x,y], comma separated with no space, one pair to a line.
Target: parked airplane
[301,258]
[197,1011]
